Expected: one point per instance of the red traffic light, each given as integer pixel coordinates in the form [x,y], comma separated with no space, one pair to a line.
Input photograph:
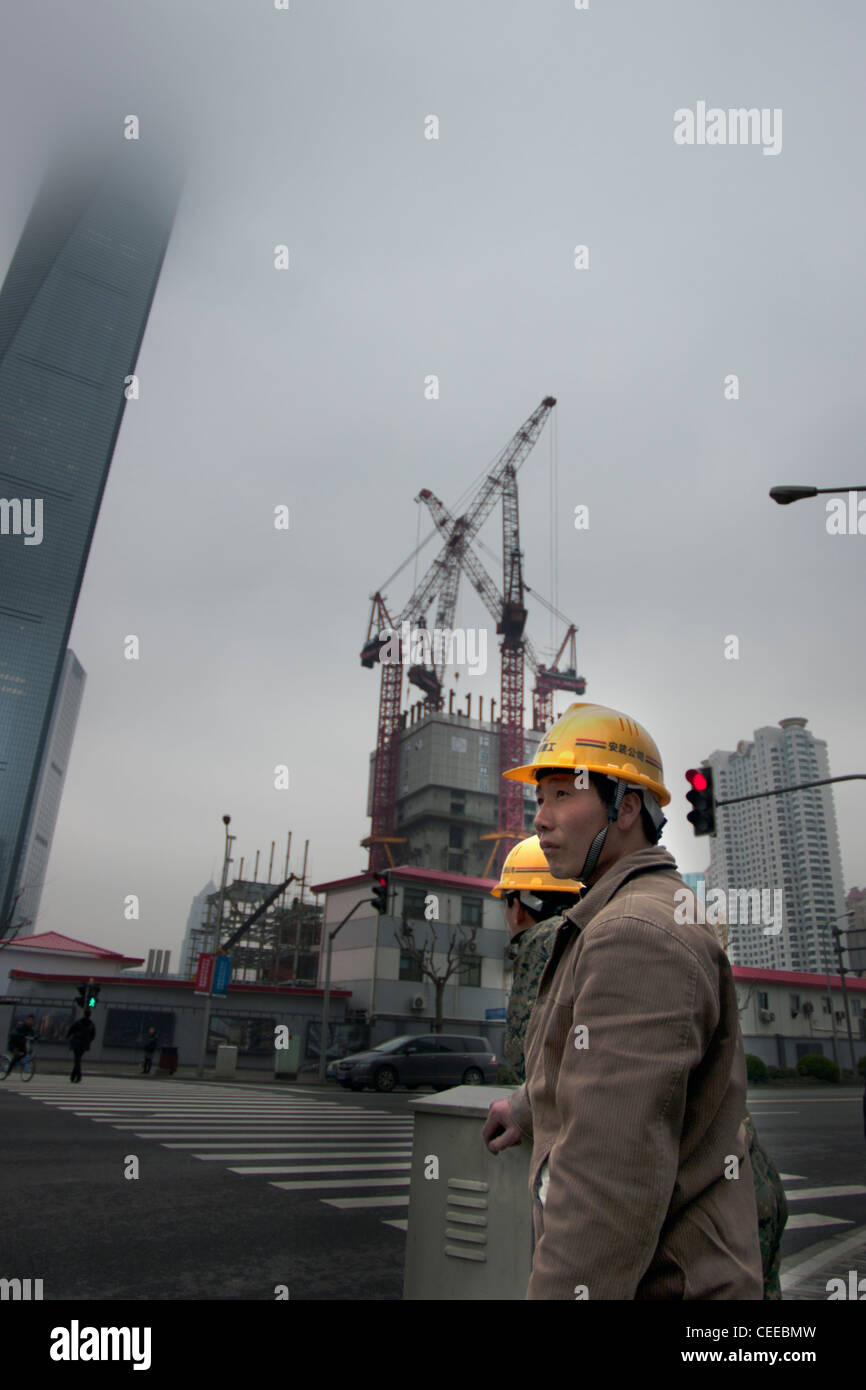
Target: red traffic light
[702,799]
[380,892]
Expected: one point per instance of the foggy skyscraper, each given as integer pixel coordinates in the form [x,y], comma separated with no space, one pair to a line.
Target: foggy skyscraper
[73,310]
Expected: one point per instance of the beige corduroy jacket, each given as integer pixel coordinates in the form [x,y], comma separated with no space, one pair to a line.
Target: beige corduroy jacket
[634,1100]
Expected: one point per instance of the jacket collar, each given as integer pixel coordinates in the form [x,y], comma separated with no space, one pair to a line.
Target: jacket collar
[599,895]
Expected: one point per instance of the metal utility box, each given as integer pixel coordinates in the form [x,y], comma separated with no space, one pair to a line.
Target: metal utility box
[226,1060]
[287,1060]
[469,1229]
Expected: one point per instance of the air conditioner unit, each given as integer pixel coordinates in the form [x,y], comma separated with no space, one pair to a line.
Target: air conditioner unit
[840,1015]
[794,1013]
[766,1016]
[808,1008]
[416,1003]
[470,949]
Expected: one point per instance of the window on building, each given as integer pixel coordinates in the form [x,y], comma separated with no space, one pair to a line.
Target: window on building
[455,836]
[470,912]
[825,1003]
[128,1027]
[763,999]
[409,968]
[795,1003]
[413,903]
[251,1034]
[469,974]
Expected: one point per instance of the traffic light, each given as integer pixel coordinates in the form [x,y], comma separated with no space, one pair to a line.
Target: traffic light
[703,817]
[380,892]
[92,996]
[81,997]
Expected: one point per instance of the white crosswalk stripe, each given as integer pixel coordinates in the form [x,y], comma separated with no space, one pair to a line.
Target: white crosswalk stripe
[807,1220]
[296,1140]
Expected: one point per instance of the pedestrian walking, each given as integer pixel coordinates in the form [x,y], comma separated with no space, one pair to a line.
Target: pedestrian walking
[635,1086]
[150,1045]
[80,1036]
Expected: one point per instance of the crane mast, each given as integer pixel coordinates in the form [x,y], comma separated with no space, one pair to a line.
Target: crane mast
[509,611]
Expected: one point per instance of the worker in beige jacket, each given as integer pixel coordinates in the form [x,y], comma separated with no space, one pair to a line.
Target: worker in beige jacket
[636,1080]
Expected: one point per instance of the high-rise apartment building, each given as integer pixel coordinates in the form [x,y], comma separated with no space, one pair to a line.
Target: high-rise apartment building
[49,789]
[777,844]
[73,309]
[854,939]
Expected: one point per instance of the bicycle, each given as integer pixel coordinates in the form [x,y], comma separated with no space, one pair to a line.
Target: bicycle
[25,1059]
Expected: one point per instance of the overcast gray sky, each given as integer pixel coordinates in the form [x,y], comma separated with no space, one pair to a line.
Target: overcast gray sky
[411,256]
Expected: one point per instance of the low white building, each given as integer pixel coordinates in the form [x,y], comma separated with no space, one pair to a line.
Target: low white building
[387,986]
[785,1014]
[51,952]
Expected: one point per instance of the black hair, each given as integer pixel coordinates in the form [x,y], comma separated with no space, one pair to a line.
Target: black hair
[552,903]
[606,789]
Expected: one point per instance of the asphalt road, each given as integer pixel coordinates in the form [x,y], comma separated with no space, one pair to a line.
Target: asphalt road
[208,1217]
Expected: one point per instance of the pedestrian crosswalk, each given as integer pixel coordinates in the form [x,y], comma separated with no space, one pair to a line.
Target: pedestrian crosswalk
[356,1158]
[807,1220]
[299,1142]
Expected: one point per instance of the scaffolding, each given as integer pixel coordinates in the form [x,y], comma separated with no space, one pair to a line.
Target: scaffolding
[281,948]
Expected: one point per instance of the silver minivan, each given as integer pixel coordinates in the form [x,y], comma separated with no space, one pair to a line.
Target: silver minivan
[439,1060]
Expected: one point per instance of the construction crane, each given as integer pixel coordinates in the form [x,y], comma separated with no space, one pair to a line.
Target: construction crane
[509,612]
[443,578]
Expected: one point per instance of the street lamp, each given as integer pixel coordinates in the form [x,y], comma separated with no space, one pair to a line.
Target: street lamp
[795,493]
[836,933]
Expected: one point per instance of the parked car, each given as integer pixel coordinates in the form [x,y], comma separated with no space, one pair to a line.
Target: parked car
[439,1060]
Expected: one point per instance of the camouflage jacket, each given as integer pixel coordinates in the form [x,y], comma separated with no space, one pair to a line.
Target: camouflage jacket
[772,1210]
[529,954]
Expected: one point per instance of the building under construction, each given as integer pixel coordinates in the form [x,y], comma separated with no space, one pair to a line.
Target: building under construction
[436,795]
[281,946]
[448,789]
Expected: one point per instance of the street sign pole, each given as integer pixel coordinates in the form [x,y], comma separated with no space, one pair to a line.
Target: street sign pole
[326,1001]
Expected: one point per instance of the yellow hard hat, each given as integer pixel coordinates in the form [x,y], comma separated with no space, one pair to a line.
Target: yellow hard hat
[601,740]
[525,870]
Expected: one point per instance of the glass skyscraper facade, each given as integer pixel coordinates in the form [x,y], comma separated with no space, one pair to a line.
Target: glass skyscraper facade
[73,309]
[49,789]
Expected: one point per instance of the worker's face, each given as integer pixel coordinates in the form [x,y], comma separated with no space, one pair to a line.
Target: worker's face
[567,821]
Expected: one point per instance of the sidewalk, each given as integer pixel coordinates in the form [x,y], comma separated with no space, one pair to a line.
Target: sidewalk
[131,1071]
[59,1066]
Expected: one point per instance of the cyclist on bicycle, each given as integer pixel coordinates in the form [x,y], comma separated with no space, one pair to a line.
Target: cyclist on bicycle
[20,1035]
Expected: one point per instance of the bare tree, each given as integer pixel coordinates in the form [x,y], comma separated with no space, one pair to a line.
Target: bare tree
[459,950]
[741,1007]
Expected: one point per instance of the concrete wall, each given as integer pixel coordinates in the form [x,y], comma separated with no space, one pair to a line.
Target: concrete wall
[177,1015]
